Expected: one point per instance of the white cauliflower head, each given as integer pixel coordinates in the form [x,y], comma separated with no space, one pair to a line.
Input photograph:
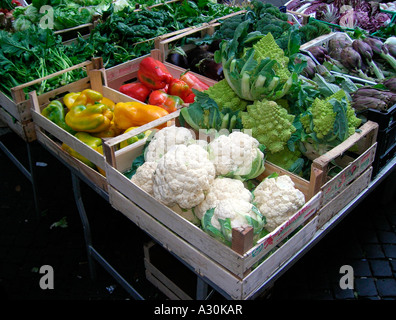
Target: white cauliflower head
[232,213]
[278,199]
[237,155]
[220,189]
[166,138]
[144,176]
[183,175]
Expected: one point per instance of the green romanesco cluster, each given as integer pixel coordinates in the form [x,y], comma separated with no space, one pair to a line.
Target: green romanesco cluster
[353,121]
[268,48]
[225,97]
[271,124]
[321,116]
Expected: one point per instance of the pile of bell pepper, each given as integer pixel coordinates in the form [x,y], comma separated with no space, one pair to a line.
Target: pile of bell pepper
[157,86]
[90,117]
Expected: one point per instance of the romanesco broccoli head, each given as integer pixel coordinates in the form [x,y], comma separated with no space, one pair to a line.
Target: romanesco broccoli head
[268,48]
[271,124]
[329,122]
[323,117]
[225,97]
[353,121]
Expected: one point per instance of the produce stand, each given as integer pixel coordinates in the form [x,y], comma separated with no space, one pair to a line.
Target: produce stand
[242,271]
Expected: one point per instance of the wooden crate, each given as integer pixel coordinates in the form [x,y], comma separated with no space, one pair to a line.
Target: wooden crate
[332,207]
[52,136]
[159,277]
[212,271]
[15,111]
[127,71]
[354,164]
[118,161]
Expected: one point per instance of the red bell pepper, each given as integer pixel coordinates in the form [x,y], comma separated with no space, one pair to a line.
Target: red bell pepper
[136,90]
[153,73]
[162,99]
[193,81]
[179,88]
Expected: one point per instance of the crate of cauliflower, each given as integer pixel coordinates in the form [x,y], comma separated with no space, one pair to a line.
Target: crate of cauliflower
[213,191]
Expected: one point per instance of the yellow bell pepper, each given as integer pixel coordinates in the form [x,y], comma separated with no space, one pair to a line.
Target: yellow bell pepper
[93,142]
[108,102]
[69,99]
[136,114]
[87,96]
[133,139]
[111,131]
[93,118]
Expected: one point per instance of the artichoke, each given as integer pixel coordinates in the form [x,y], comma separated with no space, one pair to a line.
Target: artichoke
[390,84]
[381,50]
[366,53]
[362,103]
[352,60]
[372,98]
[320,53]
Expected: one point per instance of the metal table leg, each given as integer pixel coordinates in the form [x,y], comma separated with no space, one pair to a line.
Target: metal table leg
[91,252]
[202,289]
[85,223]
[30,175]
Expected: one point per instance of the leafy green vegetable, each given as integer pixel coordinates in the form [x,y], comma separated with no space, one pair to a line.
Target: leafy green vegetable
[127,34]
[32,54]
[312,30]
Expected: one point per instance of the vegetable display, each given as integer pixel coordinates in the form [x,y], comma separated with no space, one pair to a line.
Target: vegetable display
[293,118]
[271,102]
[209,183]
[345,13]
